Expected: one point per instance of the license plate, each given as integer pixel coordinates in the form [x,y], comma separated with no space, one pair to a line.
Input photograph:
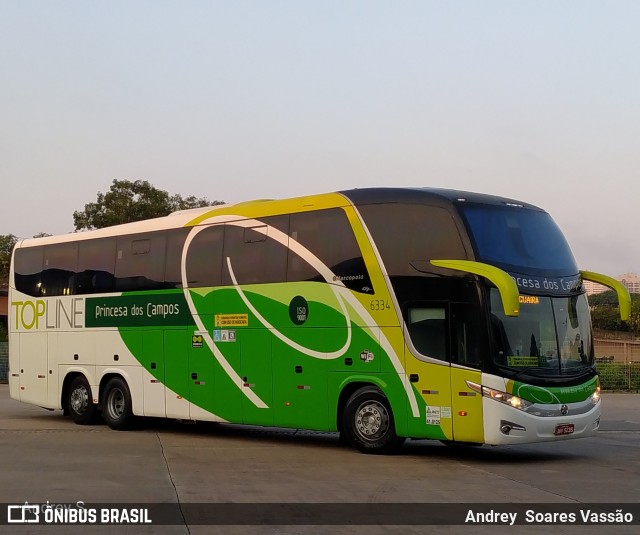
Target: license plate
[564,429]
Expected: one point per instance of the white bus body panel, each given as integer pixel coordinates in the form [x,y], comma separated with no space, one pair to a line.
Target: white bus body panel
[14,366]
[33,361]
[154,396]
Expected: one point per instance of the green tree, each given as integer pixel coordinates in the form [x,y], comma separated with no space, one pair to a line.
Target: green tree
[603,298]
[605,313]
[128,201]
[7,243]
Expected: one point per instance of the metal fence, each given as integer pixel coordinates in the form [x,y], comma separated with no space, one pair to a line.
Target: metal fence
[620,377]
[618,364]
[4,362]
[608,350]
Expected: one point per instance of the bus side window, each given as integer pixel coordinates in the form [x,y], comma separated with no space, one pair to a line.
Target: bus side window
[173,258]
[140,262]
[329,236]
[96,266]
[204,260]
[28,270]
[468,341]
[255,257]
[428,331]
[60,267]
[406,233]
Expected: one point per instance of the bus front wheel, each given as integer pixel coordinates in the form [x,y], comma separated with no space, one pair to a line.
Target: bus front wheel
[368,422]
[81,407]
[116,407]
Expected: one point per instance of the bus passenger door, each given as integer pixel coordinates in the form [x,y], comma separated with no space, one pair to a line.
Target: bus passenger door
[153,374]
[466,349]
[201,376]
[33,368]
[428,369]
[257,376]
[176,372]
[299,381]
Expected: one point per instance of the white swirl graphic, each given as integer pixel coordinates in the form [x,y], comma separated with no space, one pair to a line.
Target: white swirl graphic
[533,390]
[343,295]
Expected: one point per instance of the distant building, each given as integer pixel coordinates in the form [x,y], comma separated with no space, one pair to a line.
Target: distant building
[593,288]
[631,281]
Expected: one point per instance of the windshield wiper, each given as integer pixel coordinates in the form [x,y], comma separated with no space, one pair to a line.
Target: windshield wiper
[525,370]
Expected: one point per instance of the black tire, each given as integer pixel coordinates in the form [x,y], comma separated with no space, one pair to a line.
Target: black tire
[368,422]
[79,403]
[116,405]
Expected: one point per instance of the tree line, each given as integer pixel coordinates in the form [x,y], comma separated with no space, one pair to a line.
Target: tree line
[605,313]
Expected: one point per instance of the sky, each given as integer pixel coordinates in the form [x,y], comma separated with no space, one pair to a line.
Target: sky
[239,100]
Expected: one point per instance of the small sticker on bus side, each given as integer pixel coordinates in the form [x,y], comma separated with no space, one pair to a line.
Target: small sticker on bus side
[196,340]
[224,335]
[522,361]
[231,320]
[433,415]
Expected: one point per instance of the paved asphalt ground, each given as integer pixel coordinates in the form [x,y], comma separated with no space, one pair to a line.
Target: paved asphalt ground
[46,457]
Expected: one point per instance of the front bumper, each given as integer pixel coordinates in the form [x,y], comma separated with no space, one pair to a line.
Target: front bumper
[540,423]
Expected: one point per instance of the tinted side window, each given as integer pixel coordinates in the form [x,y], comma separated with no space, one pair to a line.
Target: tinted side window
[428,330]
[406,233]
[96,266]
[255,257]
[468,341]
[204,260]
[328,235]
[448,332]
[28,270]
[60,267]
[140,262]
[172,269]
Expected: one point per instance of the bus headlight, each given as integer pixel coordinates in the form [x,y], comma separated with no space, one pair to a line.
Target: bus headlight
[508,399]
[595,397]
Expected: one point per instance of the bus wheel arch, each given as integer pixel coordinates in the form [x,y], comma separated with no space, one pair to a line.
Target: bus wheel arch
[366,419]
[115,402]
[77,399]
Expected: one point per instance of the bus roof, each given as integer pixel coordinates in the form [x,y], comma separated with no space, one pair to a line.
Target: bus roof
[427,195]
[433,196]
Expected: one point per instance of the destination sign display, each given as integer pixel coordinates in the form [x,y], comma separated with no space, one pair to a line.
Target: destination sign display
[530,284]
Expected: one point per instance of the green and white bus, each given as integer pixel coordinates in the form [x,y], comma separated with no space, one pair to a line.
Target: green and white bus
[381,313]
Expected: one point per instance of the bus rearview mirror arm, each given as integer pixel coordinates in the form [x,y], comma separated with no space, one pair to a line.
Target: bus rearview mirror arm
[506,285]
[624,299]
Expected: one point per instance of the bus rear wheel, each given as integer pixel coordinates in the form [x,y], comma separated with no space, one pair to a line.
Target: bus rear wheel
[368,422]
[116,407]
[80,405]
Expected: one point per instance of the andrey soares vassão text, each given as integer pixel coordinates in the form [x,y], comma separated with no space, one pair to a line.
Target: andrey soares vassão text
[530,516]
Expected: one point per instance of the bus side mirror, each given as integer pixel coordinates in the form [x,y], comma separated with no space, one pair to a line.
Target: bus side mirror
[624,299]
[502,280]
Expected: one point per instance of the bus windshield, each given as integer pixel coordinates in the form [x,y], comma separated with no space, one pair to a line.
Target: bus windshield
[551,337]
[512,237]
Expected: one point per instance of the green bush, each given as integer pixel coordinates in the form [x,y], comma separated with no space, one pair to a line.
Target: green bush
[615,376]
